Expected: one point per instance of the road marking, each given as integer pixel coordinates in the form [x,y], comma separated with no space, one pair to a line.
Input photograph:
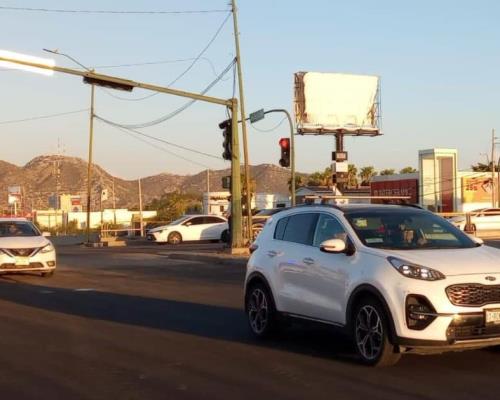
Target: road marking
[84,290]
[46,291]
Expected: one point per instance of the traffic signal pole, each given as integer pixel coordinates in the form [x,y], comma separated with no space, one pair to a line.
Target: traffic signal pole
[236,209]
[89,166]
[126,84]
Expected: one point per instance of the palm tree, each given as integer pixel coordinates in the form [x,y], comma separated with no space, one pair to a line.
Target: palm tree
[366,174]
[388,171]
[352,175]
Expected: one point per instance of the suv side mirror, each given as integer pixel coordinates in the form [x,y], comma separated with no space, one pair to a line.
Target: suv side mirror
[476,239]
[333,246]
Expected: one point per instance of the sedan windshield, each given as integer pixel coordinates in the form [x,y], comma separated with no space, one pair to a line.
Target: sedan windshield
[401,229]
[17,228]
[179,221]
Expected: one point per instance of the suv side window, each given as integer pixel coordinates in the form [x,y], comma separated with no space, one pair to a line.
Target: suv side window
[300,228]
[280,228]
[328,227]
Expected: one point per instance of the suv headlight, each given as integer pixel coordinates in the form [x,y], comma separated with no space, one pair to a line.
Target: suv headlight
[47,248]
[415,271]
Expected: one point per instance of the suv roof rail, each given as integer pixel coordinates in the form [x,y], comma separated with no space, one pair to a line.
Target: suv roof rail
[336,206]
[413,205]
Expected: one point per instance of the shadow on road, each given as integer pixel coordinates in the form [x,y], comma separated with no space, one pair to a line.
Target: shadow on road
[209,321]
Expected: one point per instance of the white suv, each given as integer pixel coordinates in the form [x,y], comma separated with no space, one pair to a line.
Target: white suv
[397,279]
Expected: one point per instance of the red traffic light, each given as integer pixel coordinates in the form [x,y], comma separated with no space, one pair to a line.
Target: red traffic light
[284,143]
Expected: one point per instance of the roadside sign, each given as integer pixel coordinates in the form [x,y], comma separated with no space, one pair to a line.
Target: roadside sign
[257,115]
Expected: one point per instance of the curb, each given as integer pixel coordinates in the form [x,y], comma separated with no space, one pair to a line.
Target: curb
[214,258]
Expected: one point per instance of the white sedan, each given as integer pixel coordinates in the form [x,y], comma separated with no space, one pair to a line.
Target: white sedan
[190,227]
[483,219]
[23,248]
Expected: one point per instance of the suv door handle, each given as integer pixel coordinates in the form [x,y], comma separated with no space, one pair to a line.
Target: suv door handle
[308,261]
[272,253]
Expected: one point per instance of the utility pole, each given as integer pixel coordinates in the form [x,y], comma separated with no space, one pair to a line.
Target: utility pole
[493,158]
[140,209]
[208,191]
[114,203]
[243,121]
[89,167]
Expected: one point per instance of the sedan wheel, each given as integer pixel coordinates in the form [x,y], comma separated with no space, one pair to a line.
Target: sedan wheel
[175,238]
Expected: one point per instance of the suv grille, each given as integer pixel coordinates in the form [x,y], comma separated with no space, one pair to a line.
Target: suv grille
[473,294]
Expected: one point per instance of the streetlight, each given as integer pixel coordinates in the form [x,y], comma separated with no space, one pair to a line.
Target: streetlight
[259,115]
[18,61]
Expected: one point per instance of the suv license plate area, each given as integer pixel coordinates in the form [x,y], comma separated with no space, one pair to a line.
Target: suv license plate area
[492,317]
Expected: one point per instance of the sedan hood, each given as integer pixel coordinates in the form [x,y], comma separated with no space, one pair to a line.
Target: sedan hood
[23,242]
[159,228]
[476,260]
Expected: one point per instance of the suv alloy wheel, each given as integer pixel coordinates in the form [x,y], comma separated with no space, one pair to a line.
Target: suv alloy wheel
[260,310]
[370,333]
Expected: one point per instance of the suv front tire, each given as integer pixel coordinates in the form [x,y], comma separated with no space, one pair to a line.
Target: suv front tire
[370,331]
[260,310]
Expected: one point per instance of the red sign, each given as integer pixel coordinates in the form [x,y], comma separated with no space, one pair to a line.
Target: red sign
[402,187]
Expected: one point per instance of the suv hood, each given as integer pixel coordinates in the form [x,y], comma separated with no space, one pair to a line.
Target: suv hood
[476,260]
[23,242]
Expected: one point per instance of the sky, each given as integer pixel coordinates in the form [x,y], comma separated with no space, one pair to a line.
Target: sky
[438,61]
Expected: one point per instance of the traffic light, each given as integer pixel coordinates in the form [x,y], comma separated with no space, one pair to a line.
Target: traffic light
[228,138]
[285,152]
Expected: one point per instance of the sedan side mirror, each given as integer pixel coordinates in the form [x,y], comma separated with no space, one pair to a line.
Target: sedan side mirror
[333,246]
[46,234]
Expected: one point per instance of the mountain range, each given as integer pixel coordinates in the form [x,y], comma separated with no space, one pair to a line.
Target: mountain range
[46,175]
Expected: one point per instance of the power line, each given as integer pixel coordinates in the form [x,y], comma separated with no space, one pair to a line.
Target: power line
[130,12]
[128,132]
[160,140]
[195,60]
[43,117]
[175,112]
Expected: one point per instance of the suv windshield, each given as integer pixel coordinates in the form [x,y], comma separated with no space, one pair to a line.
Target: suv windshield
[406,230]
[17,228]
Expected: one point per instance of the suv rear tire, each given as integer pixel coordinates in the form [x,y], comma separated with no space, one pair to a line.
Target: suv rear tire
[260,310]
[370,331]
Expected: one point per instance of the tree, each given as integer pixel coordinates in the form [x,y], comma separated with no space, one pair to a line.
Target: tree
[407,170]
[388,171]
[173,205]
[480,167]
[366,174]
[319,178]
[299,182]
[352,175]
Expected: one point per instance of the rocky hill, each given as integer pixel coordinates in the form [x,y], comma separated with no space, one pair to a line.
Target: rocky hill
[44,175]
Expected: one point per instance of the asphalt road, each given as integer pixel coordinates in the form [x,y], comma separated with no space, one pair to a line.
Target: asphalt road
[130,324]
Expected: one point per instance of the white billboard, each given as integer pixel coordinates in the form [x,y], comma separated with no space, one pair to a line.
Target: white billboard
[329,103]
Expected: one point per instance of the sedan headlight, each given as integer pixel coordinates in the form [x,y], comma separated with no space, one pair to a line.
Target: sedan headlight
[415,271]
[47,248]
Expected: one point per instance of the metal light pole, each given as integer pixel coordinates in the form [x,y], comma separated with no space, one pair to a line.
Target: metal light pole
[114,82]
[493,158]
[257,116]
[243,121]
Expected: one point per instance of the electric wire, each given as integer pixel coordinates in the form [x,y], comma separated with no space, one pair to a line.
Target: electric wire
[161,148]
[183,73]
[13,121]
[176,111]
[161,140]
[130,12]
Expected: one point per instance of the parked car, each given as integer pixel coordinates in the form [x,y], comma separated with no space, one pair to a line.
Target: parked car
[481,219]
[396,279]
[23,248]
[190,227]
